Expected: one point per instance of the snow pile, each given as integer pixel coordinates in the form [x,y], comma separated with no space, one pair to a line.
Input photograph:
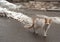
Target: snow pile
[6,4]
[2,10]
[18,16]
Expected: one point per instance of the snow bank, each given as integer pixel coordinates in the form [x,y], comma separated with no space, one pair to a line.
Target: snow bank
[18,16]
[6,4]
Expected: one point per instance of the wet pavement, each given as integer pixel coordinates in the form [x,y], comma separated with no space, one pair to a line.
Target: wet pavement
[13,31]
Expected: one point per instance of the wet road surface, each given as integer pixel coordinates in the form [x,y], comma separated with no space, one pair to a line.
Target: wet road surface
[13,31]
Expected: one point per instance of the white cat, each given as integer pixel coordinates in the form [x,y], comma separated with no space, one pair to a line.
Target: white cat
[44,22]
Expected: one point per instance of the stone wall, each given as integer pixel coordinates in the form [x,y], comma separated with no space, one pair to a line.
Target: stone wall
[30,0]
[42,5]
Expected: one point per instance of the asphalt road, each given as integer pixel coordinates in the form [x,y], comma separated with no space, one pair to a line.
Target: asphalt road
[13,31]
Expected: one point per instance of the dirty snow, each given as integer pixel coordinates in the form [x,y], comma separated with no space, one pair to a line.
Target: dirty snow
[6,4]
